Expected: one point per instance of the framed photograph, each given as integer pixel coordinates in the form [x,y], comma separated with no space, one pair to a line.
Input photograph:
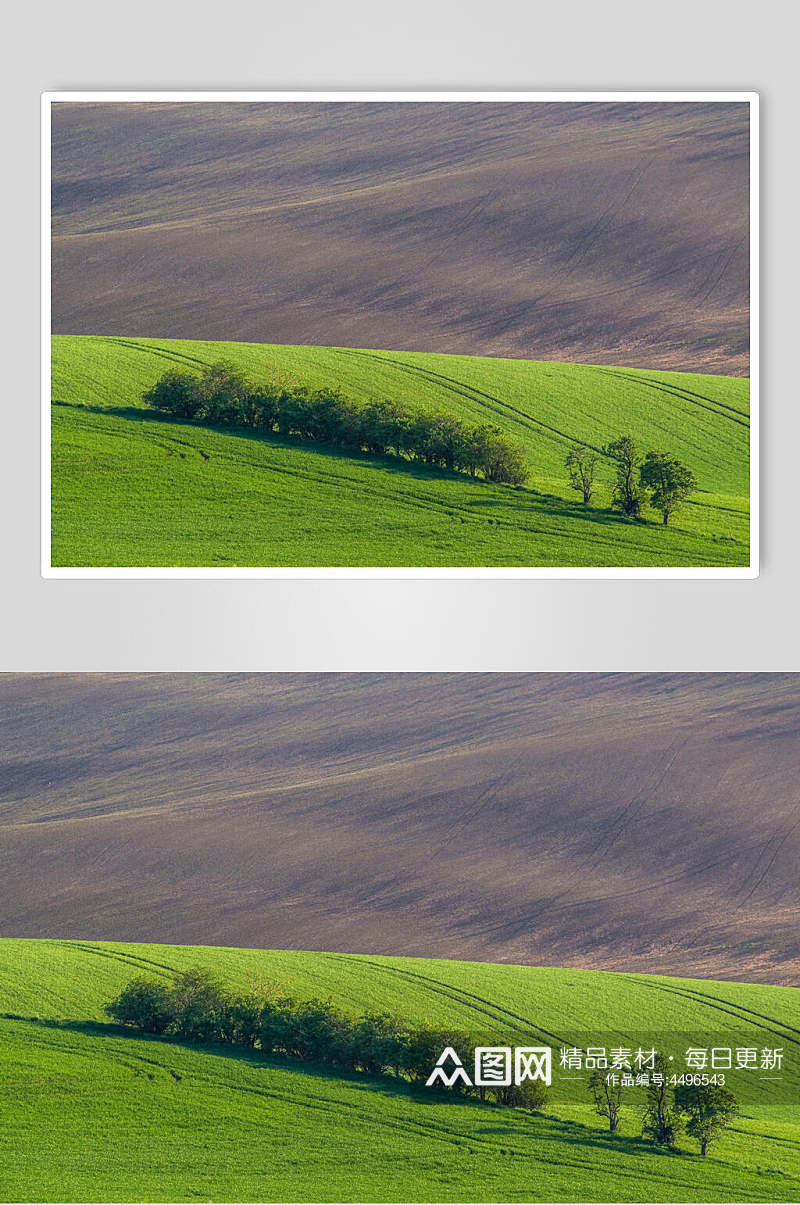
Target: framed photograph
[400,937]
[400,334]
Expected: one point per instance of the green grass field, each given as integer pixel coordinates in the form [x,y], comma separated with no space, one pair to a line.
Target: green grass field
[132,489]
[91,1113]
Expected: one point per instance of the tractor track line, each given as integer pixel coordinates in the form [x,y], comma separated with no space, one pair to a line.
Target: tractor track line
[467,391]
[462,997]
[684,397]
[724,1006]
[771,862]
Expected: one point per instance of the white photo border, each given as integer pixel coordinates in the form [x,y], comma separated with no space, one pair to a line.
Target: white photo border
[751,98]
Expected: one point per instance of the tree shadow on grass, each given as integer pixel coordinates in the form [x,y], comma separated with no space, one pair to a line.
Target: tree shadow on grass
[274,440]
[523,499]
[576,1133]
[388,1085]
[496,1122]
[531,501]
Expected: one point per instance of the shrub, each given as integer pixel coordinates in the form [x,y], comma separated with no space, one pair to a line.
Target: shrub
[423,1046]
[378,1043]
[241,1019]
[176,392]
[274,1025]
[317,1031]
[223,390]
[199,1006]
[222,394]
[145,1004]
[498,459]
[258,409]
[531,1095]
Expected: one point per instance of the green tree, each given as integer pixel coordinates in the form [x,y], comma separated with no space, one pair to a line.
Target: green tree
[377,426]
[145,1004]
[709,1109]
[177,392]
[670,483]
[448,439]
[607,1098]
[508,465]
[276,1015]
[378,1043]
[532,1095]
[424,1045]
[316,1030]
[240,1019]
[662,1121]
[582,465]
[258,409]
[328,416]
[293,413]
[223,389]
[500,460]
[222,394]
[200,1004]
[628,495]
[423,436]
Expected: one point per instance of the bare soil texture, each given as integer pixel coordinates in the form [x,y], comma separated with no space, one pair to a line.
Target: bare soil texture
[597,233]
[625,822]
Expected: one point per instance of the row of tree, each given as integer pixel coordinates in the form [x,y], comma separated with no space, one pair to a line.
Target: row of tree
[221,394]
[196,1007]
[657,478]
[704,1111]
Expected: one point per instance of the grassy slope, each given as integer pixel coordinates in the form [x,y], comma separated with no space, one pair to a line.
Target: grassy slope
[91,1114]
[132,490]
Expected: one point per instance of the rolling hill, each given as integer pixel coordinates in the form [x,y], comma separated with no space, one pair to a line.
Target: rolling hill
[133,489]
[642,823]
[93,1113]
[599,233]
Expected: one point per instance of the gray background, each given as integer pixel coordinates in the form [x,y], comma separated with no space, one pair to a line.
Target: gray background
[395,624]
